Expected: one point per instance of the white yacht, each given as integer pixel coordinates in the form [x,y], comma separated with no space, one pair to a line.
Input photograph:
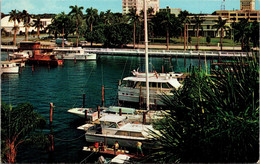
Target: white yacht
[25,54]
[132,88]
[116,128]
[9,67]
[74,53]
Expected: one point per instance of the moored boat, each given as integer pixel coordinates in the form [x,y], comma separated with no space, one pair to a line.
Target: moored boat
[116,128]
[131,91]
[41,55]
[74,53]
[9,67]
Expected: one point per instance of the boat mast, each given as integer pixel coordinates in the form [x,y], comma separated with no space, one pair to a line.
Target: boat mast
[146,56]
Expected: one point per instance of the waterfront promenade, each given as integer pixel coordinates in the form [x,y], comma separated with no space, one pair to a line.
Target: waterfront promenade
[153,52]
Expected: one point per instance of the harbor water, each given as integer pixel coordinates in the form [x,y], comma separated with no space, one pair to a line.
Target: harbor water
[64,86]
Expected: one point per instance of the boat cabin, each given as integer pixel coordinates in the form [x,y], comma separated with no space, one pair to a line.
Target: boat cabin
[111,123]
[155,84]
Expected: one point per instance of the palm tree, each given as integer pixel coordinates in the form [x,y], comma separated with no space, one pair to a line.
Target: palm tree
[15,16]
[62,21]
[26,17]
[212,119]
[221,25]
[197,26]
[18,126]
[91,18]
[167,22]
[77,14]
[134,17]
[254,33]
[38,25]
[183,16]
[242,32]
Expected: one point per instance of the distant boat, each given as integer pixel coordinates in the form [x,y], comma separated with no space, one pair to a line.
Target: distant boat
[41,55]
[9,67]
[74,53]
[20,55]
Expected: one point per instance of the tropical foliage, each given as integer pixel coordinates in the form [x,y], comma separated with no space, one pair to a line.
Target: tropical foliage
[212,118]
[244,32]
[221,25]
[77,14]
[15,17]
[38,25]
[19,125]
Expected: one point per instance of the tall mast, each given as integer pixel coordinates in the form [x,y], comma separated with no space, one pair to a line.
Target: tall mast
[146,57]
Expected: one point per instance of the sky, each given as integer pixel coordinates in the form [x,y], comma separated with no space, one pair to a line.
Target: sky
[58,6]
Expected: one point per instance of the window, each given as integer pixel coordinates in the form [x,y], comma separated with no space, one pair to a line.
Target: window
[122,133]
[233,14]
[136,134]
[253,14]
[153,85]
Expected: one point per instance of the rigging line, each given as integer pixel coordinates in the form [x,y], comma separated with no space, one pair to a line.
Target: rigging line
[124,69]
[88,77]
[70,139]
[87,157]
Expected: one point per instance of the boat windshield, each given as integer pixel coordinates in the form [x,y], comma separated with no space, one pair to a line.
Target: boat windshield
[127,133]
[127,83]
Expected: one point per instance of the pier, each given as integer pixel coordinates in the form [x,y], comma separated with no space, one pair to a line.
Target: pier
[166,53]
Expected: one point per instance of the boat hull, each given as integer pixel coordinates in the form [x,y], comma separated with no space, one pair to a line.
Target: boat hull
[10,70]
[122,140]
[83,57]
[52,63]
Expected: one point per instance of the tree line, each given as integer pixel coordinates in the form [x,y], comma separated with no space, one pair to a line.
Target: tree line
[116,30]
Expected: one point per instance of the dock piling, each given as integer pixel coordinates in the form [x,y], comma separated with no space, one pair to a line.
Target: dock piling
[51,146]
[86,115]
[98,109]
[120,112]
[51,113]
[144,117]
[103,95]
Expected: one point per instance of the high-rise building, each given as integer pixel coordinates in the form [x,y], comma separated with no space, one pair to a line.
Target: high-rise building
[247,11]
[247,4]
[174,11]
[138,5]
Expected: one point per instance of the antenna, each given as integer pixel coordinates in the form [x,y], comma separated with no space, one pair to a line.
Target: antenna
[222,7]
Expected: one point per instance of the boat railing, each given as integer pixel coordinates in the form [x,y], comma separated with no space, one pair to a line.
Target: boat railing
[172,52]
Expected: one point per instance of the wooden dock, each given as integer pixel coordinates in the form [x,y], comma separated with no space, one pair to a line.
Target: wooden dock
[166,53]
[110,151]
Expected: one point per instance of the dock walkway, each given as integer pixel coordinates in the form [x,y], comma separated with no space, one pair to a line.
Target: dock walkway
[166,53]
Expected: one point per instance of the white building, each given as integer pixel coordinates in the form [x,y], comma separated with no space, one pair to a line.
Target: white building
[139,5]
[8,26]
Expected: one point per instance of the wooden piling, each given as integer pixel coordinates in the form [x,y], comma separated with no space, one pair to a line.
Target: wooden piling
[32,68]
[85,58]
[140,97]
[84,100]
[120,112]
[144,117]
[20,69]
[162,69]
[155,104]
[86,115]
[103,95]
[98,109]
[51,112]
[75,61]
[51,146]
